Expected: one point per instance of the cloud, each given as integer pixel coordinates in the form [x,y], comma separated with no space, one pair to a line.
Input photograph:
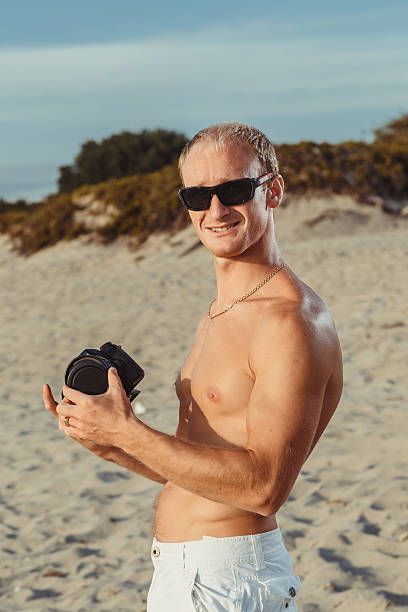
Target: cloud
[265,73]
[311,79]
[210,68]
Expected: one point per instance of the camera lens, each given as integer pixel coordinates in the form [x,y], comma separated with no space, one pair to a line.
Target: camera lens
[89,375]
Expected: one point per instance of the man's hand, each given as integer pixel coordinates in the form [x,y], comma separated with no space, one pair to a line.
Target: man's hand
[94,420]
[105,451]
[51,406]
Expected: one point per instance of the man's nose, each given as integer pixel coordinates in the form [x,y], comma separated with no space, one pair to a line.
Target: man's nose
[217,209]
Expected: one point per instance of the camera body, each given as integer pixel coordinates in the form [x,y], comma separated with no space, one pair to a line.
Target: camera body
[88,372]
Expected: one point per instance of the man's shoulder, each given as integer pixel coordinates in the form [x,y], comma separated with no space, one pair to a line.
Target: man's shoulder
[300,311]
[298,325]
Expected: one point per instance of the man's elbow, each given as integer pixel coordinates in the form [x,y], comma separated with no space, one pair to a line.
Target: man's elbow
[269,491]
[269,504]
[267,509]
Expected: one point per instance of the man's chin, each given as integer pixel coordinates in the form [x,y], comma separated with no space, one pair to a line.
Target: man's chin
[225,251]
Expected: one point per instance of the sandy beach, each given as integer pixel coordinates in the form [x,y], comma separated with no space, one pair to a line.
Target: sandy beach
[76,531]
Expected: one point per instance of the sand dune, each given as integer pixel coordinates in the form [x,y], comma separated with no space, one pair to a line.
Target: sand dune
[75,531]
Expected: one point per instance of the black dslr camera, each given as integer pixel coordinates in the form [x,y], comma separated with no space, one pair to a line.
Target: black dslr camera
[89,371]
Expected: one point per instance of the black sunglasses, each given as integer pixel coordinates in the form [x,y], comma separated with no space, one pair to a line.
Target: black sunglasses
[230,193]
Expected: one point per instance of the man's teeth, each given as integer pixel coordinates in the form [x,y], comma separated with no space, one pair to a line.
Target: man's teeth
[222,229]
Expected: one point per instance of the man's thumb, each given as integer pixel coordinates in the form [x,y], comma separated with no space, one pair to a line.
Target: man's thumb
[113,377]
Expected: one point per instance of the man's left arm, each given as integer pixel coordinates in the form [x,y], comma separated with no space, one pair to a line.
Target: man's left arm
[282,418]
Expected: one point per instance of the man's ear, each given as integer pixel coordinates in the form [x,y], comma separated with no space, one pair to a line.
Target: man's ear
[275,191]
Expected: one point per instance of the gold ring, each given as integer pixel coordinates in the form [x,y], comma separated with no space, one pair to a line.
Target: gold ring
[66,421]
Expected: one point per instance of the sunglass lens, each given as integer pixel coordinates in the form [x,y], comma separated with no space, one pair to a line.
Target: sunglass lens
[232,192]
[195,198]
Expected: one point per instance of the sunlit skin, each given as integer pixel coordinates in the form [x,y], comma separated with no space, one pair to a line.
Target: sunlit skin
[256,391]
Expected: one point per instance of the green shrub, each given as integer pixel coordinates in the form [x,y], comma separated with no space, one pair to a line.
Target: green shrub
[145,203]
[41,225]
[121,155]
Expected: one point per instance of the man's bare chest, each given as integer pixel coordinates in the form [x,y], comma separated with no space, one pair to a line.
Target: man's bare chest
[215,385]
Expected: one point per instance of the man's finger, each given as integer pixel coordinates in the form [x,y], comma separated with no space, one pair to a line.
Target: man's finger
[49,401]
[67,425]
[64,409]
[114,381]
[73,394]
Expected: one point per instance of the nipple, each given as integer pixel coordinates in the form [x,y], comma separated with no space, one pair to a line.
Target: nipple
[212,394]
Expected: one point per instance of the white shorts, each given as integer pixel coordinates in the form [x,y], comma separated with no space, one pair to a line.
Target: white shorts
[249,573]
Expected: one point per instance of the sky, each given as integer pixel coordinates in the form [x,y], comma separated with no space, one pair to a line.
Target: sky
[78,70]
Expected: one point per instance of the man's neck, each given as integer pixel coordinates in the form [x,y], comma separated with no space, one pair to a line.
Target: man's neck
[238,275]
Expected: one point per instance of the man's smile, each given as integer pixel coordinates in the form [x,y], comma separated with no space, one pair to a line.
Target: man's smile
[222,228]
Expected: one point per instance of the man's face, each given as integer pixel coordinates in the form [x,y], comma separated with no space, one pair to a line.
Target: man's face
[226,231]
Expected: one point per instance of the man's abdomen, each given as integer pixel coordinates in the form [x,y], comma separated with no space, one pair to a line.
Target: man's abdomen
[182,516]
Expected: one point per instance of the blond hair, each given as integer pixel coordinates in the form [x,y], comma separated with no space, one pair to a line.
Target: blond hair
[222,134]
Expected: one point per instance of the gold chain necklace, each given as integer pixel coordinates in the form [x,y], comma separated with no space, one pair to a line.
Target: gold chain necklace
[246,295]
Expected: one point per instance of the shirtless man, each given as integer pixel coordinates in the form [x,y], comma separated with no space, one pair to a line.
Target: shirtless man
[256,392]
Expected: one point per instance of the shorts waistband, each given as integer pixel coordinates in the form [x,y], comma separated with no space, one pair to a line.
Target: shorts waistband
[254,548]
